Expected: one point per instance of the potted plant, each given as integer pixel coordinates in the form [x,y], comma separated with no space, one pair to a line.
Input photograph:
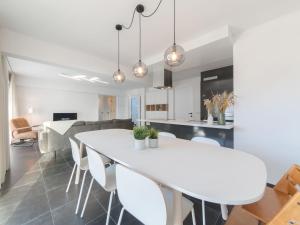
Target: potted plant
[153,138]
[140,133]
[222,102]
[209,105]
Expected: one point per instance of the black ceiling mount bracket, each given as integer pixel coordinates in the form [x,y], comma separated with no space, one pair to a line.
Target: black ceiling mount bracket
[118,27]
[140,8]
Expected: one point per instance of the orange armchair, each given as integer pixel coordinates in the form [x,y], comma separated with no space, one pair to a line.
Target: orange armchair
[21,129]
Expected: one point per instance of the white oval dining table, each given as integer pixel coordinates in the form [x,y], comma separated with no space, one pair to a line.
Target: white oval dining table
[214,174]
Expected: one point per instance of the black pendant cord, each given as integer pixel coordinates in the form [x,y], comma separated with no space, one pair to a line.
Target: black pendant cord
[151,14]
[174,28]
[140,37]
[144,15]
[131,22]
[118,50]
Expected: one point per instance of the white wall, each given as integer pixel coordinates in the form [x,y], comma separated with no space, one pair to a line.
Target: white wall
[47,101]
[266,82]
[49,96]
[122,107]
[187,97]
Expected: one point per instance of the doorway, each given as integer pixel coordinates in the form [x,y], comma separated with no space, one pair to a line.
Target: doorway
[107,107]
[135,108]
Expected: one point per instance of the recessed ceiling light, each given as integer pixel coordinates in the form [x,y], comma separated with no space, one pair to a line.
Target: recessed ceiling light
[94,79]
[78,77]
[64,75]
[102,82]
[81,77]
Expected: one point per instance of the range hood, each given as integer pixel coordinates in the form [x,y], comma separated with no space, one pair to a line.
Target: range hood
[162,79]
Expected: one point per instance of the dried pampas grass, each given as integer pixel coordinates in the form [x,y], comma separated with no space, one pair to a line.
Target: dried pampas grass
[223,101]
[209,105]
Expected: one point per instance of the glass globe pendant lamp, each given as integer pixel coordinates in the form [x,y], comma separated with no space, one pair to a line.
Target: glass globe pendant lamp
[119,76]
[140,69]
[174,55]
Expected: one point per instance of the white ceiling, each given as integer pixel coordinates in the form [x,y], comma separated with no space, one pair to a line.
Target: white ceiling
[89,25]
[209,54]
[30,69]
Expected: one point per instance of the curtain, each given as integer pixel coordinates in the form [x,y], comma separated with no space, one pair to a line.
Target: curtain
[12,102]
[13,110]
[4,127]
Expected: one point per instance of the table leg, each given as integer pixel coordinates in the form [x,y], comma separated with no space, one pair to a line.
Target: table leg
[78,167]
[224,212]
[203,213]
[177,208]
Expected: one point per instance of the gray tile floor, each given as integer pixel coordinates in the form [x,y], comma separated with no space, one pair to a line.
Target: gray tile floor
[34,194]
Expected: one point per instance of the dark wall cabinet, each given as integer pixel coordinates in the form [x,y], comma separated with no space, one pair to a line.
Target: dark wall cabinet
[214,82]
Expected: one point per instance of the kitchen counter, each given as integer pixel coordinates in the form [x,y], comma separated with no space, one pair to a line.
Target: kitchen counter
[228,126]
[189,129]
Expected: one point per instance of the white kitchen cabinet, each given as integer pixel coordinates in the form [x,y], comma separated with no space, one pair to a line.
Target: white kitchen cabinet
[159,96]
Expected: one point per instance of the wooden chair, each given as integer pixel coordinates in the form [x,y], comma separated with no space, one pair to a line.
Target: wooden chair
[272,202]
[239,216]
[290,213]
[275,198]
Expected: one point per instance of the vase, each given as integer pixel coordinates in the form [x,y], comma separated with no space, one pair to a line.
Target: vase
[153,143]
[210,119]
[221,118]
[139,144]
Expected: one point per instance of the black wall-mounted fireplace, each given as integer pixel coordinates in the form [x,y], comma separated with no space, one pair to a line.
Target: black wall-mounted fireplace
[64,116]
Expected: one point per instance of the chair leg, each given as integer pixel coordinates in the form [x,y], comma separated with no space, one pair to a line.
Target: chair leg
[224,211]
[203,213]
[87,198]
[77,177]
[193,216]
[121,216]
[109,207]
[72,174]
[80,193]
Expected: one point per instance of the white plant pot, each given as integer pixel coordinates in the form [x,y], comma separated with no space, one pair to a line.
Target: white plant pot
[139,144]
[153,143]
[210,119]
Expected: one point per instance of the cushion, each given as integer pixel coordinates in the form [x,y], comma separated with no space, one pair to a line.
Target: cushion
[79,123]
[19,123]
[26,135]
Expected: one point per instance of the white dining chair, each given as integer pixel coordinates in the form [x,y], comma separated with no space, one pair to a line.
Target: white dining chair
[105,176]
[166,134]
[146,200]
[81,163]
[213,142]
[206,140]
